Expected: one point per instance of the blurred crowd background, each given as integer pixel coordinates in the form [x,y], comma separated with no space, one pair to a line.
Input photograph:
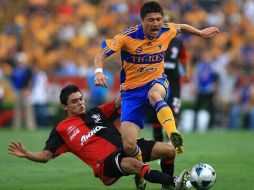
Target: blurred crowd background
[45,44]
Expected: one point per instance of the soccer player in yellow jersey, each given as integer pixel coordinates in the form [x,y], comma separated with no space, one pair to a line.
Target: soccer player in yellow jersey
[143,82]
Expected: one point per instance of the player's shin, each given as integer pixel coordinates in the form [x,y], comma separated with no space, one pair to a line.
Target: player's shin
[165,117]
[139,181]
[167,166]
[157,132]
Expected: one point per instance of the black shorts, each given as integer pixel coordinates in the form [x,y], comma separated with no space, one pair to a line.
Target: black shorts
[112,164]
[174,100]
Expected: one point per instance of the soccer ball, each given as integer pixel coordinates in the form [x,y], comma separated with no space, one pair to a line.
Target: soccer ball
[202,176]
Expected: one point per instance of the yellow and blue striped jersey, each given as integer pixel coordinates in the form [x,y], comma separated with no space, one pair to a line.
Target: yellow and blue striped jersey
[142,58]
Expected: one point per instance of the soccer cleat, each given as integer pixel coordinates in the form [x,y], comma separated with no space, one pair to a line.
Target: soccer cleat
[181,180]
[188,185]
[177,140]
[140,183]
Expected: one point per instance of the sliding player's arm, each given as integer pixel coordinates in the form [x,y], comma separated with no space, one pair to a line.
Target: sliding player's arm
[19,150]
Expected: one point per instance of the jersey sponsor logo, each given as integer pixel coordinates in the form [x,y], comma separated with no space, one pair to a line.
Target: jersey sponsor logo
[147,58]
[144,69]
[84,138]
[70,129]
[72,132]
[96,118]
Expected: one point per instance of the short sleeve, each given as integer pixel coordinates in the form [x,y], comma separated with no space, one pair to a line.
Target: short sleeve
[55,143]
[111,46]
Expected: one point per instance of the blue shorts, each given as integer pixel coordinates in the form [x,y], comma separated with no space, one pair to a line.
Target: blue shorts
[135,102]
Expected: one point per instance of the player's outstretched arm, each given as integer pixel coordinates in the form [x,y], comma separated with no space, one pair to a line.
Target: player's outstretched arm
[99,79]
[19,150]
[204,33]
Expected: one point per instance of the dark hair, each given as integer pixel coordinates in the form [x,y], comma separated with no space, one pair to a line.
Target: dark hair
[66,91]
[150,7]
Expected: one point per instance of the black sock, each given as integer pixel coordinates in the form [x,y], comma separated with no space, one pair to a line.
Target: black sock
[167,167]
[157,134]
[154,176]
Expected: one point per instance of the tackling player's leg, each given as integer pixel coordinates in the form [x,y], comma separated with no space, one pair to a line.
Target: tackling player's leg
[130,133]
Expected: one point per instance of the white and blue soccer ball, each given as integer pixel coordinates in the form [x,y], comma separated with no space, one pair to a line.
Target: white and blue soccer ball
[202,176]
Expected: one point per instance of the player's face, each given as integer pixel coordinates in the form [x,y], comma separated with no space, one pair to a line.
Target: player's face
[152,24]
[75,104]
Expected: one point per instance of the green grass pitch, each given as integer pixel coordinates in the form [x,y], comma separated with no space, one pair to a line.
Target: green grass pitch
[231,153]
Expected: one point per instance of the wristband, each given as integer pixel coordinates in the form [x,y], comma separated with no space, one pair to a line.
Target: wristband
[98,70]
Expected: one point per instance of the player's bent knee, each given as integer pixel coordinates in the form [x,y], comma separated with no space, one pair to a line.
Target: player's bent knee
[170,152]
[129,146]
[131,165]
[129,149]
[153,96]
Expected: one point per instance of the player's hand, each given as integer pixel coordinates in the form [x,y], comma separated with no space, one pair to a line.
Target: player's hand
[17,149]
[209,32]
[100,80]
[177,140]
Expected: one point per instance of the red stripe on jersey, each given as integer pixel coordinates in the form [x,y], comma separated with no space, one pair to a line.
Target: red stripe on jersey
[183,54]
[62,149]
[108,109]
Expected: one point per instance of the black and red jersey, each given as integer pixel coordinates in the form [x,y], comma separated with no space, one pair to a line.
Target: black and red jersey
[175,54]
[91,137]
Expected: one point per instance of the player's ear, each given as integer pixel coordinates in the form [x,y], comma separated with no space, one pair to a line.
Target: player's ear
[64,107]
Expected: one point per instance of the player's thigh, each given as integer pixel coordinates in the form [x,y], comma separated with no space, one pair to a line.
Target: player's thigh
[130,132]
[133,107]
[159,89]
[156,93]
[162,151]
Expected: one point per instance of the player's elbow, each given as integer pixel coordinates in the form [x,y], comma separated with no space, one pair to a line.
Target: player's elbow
[46,156]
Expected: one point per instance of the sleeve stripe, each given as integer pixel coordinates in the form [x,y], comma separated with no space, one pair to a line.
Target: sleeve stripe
[129,30]
[106,49]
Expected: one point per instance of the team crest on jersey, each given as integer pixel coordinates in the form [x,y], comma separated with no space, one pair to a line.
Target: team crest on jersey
[139,50]
[96,118]
[114,42]
[160,46]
